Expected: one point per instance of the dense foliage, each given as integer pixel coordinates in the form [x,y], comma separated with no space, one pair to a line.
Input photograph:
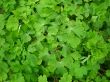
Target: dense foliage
[54,40]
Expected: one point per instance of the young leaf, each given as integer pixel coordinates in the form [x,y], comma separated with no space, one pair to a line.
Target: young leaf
[108,73]
[42,78]
[12,23]
[66,78]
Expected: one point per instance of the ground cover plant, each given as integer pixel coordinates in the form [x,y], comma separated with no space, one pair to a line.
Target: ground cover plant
[54,40]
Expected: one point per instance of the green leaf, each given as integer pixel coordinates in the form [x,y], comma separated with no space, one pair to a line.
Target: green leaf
[76,55]
[26,38]
[52,62]
[108,73]
[12,23]
[3,67]
[2,21]
[74,66]
[33,60]
[22,12]
[79,72]
[44,11]
[42,78]
[15,66]
[67,61]
[80,29]
[54,40]
[2,42]
[66,78]
[94,18]
[60,70]
[87,10]
[104,79]
[18,77]
[78,1]
[87,0]
[73,40]
[52,30]
[93,39]
[3,77]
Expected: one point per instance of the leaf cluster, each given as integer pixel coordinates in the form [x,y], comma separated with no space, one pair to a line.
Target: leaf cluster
[54,40]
